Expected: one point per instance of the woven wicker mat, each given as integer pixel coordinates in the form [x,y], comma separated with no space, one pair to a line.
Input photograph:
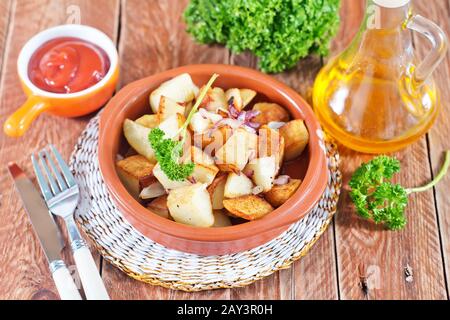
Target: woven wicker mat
[143,259]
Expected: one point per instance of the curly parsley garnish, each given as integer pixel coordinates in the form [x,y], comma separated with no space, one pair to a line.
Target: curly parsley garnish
[168,152]
[377,198]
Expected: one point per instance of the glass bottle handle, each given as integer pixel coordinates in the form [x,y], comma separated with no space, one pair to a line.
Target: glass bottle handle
[439,43]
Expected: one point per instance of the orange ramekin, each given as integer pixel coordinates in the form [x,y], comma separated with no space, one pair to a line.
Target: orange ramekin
[62,104]
[132,102]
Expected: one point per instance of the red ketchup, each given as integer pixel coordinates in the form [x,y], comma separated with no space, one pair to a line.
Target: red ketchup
[67,65]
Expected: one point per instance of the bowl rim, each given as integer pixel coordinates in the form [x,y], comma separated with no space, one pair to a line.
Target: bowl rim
[305,198]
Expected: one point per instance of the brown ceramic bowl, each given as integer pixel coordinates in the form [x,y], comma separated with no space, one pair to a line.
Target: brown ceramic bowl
[132,102]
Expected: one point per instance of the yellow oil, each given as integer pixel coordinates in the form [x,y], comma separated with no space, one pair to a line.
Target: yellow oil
[366,97]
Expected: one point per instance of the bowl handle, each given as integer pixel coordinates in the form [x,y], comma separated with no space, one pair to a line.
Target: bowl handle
[19,122]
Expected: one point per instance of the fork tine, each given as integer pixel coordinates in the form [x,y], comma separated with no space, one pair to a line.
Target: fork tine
[41,179]
[64,168]
[53,184]
[61,182]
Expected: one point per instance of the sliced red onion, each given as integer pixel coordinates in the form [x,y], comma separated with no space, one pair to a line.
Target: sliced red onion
[252,155]
[253,125]
[152,191]
[234,113]
[257,190]
[213,117]
[249,173]
[119,157]
[192,180]
[242,116]
[275,125]
[251,114]
[233,123]
[282,180]
[249,129]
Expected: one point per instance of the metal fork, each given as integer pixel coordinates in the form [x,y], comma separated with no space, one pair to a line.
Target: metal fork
[62,194]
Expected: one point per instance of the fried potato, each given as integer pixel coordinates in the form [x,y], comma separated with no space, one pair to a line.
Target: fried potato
[165,181]
[204,173]
[197,155]
[217,191]
[149,120]
[211,142]
[168,108]
[235,153]
[221,219]
[134,172]
[137,137]
[180,89]
[280,194]
[296,138]
[270,112]
[271,143]
[214,100]
[171,125]
[233,97]
[159,207]
[237,185]
[264,171]
[247,95]
[191,205]
[199,124]
[248,207]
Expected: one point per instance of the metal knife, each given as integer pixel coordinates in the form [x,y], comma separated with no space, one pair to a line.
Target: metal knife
[47,231]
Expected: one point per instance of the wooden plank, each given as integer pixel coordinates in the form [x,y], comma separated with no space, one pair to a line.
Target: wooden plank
[5,9]
[371,261]
[153,39]
[438,140]
[24,267]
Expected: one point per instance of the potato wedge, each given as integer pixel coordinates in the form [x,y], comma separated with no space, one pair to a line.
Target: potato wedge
[247,95]
[169,108]
[159,207]
[166,182]
[296,138]
[234,98]
[149,120]
[217,191]
[134,171]
[235,153]
[137,137]
[280,194]
[270,112]
[264,171]
[204,174]
[248,207]
[180,89]
[191,205]
[221,219]
[237,185]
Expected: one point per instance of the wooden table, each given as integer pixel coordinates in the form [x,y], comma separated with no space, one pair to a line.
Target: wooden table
[353,260]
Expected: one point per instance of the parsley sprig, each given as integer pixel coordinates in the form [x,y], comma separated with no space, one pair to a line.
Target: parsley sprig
[377,198]
[168,152]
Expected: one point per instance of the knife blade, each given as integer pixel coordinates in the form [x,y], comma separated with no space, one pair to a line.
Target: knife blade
[43,224]
[47,231]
